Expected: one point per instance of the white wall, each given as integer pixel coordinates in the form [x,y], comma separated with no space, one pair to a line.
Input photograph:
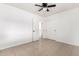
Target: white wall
[15,26]
[66,25]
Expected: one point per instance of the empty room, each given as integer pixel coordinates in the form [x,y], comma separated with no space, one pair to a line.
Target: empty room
[39,29]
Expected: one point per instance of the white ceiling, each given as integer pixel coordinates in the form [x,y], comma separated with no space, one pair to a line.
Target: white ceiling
[60,7]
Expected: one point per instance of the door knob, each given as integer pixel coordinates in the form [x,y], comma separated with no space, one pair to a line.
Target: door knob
[33,30]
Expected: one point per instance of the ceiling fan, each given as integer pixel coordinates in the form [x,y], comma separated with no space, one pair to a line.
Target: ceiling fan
[45,6]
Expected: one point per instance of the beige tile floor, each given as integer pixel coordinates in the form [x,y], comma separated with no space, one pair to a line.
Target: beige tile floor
[46,48]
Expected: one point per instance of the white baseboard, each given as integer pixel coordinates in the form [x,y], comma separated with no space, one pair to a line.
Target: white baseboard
[12,44]
[70,43]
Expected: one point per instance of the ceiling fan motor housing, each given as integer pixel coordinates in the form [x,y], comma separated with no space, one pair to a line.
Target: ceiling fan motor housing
[44,4]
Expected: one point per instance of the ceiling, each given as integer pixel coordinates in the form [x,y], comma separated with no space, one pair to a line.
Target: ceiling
[60,7]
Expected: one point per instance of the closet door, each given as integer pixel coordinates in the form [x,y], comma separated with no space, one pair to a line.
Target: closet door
[51,29]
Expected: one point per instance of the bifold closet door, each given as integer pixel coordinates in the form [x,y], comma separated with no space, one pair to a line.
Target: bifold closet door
[51,29]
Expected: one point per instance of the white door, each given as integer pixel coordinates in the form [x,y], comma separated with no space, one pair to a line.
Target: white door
[36,29]
[51,29]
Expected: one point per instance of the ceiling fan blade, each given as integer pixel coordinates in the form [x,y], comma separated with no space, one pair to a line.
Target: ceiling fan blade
[51,5]
[38,5]
[40,9]
[47,10]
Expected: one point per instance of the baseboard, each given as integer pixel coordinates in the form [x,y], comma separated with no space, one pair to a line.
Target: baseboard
[69,43]
[13,44]
[16,43]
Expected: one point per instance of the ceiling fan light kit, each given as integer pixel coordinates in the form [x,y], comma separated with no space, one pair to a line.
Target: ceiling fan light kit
[44,9]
